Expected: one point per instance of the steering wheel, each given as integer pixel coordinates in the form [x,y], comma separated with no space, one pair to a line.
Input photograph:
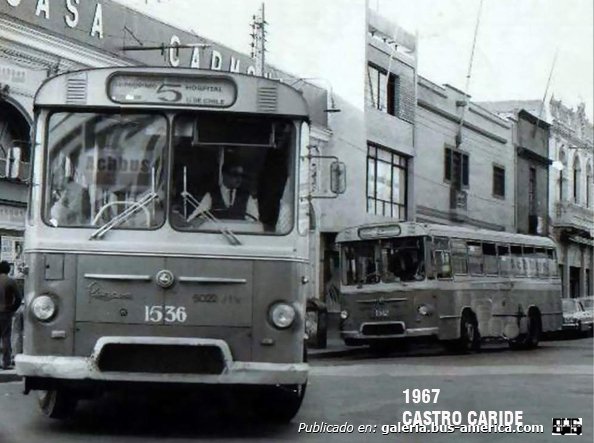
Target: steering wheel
[124,202]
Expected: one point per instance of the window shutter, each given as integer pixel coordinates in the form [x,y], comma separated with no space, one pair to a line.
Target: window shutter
[465,167]
[448,164]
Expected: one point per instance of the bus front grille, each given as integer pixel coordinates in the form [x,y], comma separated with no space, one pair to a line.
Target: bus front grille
[382,328]
[161,358]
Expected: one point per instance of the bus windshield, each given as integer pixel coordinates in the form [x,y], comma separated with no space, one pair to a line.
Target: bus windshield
[100,165]
[390,260]
[232,170]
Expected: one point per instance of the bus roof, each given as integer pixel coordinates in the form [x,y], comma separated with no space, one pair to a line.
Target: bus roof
[171,88]
[412,229]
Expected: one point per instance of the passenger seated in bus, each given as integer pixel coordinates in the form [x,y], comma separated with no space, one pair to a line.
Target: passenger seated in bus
[229,200]
[71,206]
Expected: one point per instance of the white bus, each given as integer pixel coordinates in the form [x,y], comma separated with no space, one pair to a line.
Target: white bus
[455,284]
[166,240]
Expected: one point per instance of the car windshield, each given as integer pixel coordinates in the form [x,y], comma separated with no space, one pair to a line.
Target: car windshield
[233,173]
[101,166]
[388,261]
[570,305]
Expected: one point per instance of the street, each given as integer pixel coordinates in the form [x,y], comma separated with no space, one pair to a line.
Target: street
[555,380]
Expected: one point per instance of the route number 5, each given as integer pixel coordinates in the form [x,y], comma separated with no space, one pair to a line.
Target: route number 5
[165,89]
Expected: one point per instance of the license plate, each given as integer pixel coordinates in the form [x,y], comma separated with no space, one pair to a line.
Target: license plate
[380,312]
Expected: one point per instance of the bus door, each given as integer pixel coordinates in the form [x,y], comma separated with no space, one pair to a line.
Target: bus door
[209,292]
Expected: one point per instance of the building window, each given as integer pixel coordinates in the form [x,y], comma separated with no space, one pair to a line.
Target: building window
[498,181]
[456,168]
[589,186]
[576,179]
[386,182]
[383,90]
[532,192]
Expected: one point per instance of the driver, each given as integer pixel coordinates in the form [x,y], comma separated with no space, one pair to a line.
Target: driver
[230,200]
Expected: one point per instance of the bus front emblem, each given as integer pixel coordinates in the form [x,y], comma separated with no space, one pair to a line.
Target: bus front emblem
[165,278]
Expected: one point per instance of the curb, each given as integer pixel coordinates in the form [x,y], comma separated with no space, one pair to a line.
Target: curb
[9,376]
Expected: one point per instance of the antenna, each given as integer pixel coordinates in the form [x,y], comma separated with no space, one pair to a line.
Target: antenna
[544,98]
[465,103]
[258,45]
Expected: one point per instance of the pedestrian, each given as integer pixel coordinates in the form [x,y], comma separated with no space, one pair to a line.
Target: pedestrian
[10,300]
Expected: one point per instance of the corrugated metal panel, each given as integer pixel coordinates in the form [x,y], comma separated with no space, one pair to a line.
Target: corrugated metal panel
[267,98]
[76,90]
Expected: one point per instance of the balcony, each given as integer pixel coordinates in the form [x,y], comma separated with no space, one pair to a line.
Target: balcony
[14,170]
[570,215]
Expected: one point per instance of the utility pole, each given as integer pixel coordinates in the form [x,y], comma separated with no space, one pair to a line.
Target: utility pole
[258,45]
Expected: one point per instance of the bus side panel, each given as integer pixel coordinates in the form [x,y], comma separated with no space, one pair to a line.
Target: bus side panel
[53,275]
[278,281]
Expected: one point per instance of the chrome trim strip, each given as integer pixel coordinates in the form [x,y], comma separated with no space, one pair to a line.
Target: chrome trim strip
[118,277]
[384,300]
[220,280]
[161,254]
[448,317]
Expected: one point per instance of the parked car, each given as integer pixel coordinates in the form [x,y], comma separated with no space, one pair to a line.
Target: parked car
[588,305]
[575,317]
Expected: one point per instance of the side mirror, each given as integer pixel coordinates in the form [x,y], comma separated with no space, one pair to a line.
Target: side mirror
[337,177]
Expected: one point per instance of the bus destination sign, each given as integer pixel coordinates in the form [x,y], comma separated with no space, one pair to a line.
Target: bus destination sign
[172,90]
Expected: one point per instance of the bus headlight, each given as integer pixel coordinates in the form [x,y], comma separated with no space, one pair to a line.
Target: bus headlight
[344,314]
[282,315]
[43,307]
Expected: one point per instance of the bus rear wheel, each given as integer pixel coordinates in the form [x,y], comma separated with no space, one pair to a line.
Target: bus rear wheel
[56,403]
[531,338]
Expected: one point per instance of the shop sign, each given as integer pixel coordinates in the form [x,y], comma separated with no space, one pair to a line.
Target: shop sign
[110,26]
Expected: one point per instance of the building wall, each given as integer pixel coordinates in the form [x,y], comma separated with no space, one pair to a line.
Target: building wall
[486,138]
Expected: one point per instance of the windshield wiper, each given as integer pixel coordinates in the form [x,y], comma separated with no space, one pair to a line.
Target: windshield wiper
[125,215]
[206,214]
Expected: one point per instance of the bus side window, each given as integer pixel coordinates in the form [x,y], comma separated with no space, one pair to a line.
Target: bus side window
[443,263]
[504,260]
[459,256]
[517,261]
[542,263]
[553,267]
[490,258]
[475,258]
[529,261]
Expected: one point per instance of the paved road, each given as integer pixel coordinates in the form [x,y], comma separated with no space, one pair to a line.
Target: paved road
[553,381]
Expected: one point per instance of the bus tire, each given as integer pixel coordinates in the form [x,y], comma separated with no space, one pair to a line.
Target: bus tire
[470,339]
[279,404]
[531,338]
[56,403]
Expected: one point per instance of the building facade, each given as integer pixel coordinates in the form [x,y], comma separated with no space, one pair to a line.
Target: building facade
[464,172]
[570,187]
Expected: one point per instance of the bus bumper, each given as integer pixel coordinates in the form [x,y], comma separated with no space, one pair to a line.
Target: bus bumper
[407,333]
[90,368]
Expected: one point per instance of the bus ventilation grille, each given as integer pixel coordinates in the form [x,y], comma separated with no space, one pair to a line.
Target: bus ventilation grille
[76,90]
[383,329]
[267,98]
[161,359]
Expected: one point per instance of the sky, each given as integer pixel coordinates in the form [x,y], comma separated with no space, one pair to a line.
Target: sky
[519,43]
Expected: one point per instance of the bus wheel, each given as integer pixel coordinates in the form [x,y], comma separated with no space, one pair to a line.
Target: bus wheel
[530,339]
[470,339]
[58,404]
